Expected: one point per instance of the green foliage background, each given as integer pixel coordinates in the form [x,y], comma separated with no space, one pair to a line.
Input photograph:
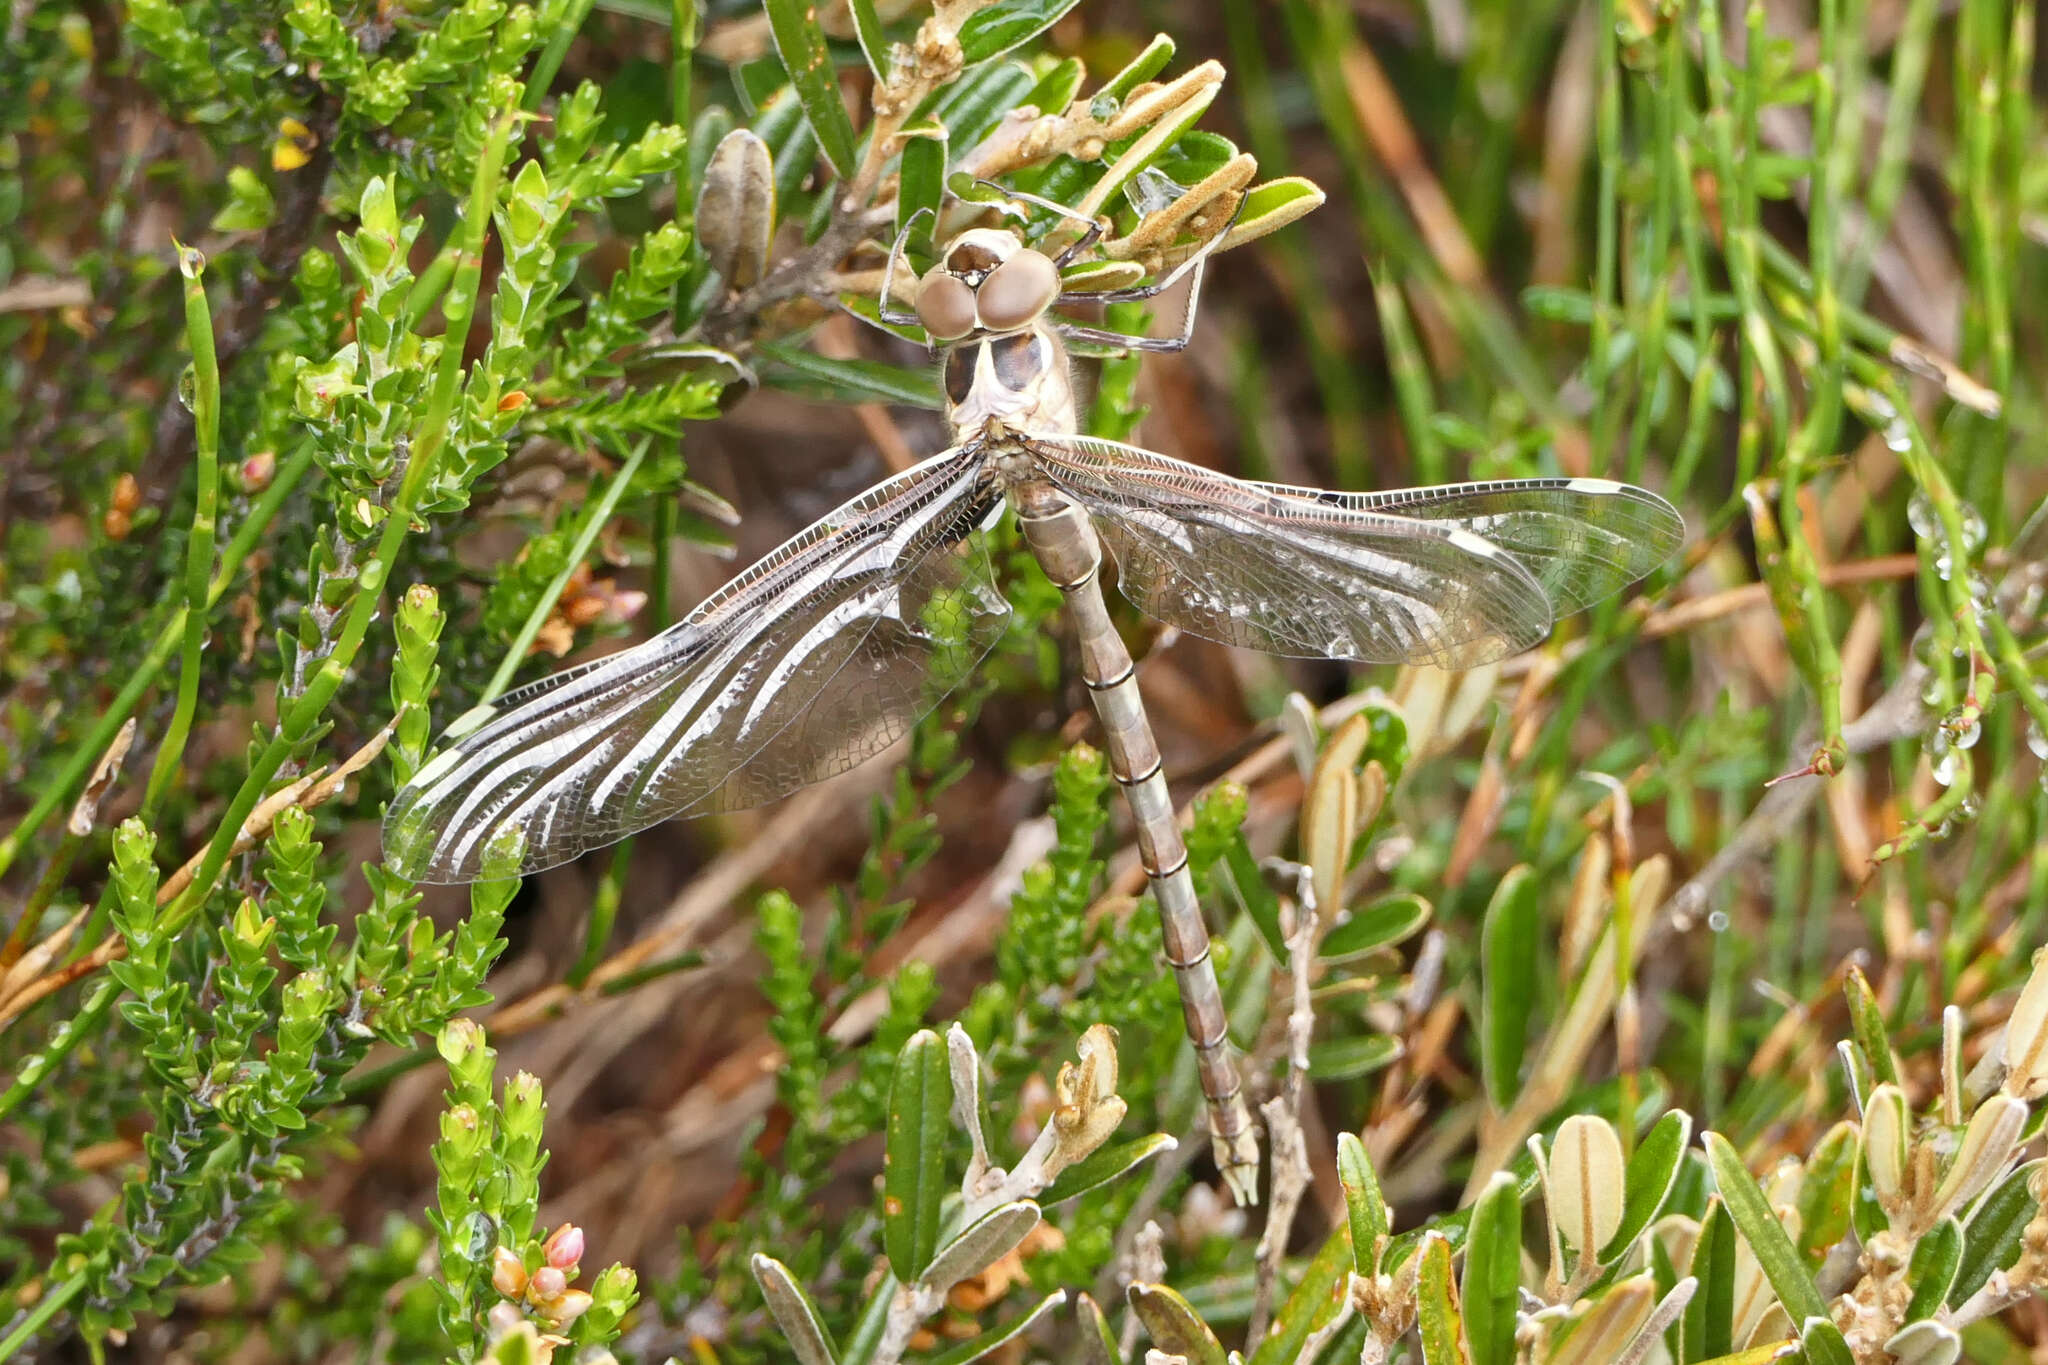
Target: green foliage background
[349,350]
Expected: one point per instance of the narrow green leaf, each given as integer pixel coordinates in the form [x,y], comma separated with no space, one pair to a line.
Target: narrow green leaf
[923,183]
[975,103]
[1102,1166]
[1493,1272]
[1098,1338]
[1366,1206]
[1991,1241]
[1101,275]
[1437,1308]
[1058,86]
[800,43]
[1825,1191]
[792,146]
[1342,1059]
[1387,921]
[1238,872]
[1174,1326]
[982,1243]
[1269,207]
[1766,1236]
[994,30]
[1139,69]
[1652,1171]
[989,1342]
[1932,1272]
[874,44]
[1510,966]
[914,1163]
[1823,1343]
[1708,1327]
[800,370]
[1317,1298]
[1866,1020]
[793,1312]
[865,307]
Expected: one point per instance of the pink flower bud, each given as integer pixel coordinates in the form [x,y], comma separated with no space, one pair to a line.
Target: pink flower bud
[547,1285]
[564,1247]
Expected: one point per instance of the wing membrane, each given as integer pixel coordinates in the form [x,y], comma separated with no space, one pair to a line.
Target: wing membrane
[1583,539]
[1453,577]
[816,658]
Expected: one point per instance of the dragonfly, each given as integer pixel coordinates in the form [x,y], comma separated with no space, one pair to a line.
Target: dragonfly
[828,650]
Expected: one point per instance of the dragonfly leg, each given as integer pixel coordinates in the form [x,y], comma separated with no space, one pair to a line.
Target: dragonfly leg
[886,303]
[1064,541]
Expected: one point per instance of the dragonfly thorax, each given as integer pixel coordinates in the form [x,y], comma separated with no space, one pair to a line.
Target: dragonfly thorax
[988,281]
[1019,380]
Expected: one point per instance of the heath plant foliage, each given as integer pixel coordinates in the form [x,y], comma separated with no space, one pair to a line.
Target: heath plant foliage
[1667,995]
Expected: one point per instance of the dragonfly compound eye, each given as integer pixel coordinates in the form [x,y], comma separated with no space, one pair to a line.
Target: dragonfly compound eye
[945,305]
[1017,291]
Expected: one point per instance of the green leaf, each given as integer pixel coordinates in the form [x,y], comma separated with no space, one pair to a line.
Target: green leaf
[1139,69]
[1098,1338]
[1237,871]
[1825,1190]
[1932,1273]
[1387,921]
[874,44]
[990,1342]
[1317,1298]
[1707,1329]
[982,1243]
[1866,1020]
[914,1174]
[1437,1308]
[801,45]
[1102,1166]
[1058,86]
[1493,1272]
[250,206]
[1363,1202]
[801,370]
[793,1312]
[1992,1239]
[923,181]
[992,31]
[1822,1343]
[1272,206]
[1652,1171]
[1510,966]
[1343,1059]
[1766,1236]
[1174,1326]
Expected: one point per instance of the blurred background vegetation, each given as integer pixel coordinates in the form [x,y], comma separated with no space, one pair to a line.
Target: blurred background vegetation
[1773,259]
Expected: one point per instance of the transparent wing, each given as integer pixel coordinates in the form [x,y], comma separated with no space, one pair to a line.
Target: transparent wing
[1583,539]
[815,659]
[1412,577]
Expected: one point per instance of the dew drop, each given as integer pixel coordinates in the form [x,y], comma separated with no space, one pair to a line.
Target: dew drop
[1973,529]
[2036,741]
[1920,515]
[1944,768]
[1717,920]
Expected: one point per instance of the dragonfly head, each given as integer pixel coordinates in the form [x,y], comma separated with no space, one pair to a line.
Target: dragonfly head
[988,281]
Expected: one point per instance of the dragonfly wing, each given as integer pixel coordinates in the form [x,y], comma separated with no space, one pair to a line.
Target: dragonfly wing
[1288,572]
[816,658]
[1583,539]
